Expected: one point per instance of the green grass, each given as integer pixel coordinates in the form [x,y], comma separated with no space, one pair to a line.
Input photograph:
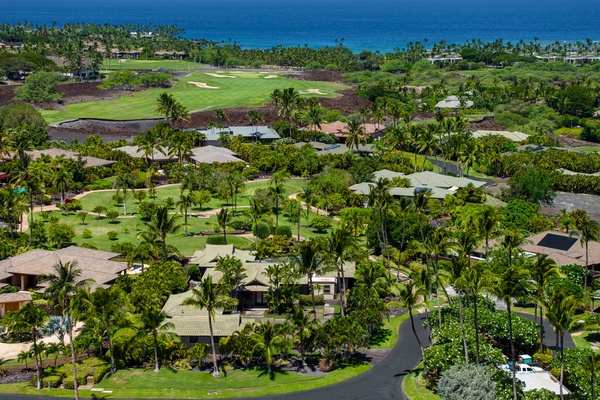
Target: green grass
[588,149]
[585,339]
[187,384]
[129,226]
[414,389]
[171,65]
[569,131]
[389,333]
[245,89]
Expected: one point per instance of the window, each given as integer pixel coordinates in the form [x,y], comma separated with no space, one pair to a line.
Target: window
[326,289]
[193,339]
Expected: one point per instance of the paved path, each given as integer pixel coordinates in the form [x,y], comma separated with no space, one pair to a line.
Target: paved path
[382,382]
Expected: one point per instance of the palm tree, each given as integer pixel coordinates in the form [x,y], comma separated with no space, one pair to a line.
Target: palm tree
[161,224]
[233,275]
[561,314]
[356,134]
[543,271]
[590,231]
[303,325]
[63,179]
[342,246]
[410,295]
[488,224]
[223,220]
[512,281]
[185,203]
[277,189]
[33,182]
[54,349]
[288,105]
[267,337]
[475,279]
[30,318]
[24,357]
[148,143]
[309,261]
[254,116]
[125,181]
[152,319]
[108,306]
[592,364]
[421,203]
[63,284]
[208,296]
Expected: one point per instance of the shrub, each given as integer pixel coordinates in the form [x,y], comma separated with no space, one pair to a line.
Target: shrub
[112,235]
[181,365]
[146,209]
[194,272]
[53,381]
[112,216]
[215,239]
[262,230]
[241,225]
[320,223]
[87,245]
[86,234]
[100,373]
[118,198]
[283,230]
[467,383]
[305,300]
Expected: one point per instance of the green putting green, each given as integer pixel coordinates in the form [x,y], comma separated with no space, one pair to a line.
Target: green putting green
[198,91]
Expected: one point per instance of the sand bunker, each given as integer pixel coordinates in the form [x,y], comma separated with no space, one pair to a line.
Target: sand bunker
[219,75]
[271,76]
[203,85]
[311,91]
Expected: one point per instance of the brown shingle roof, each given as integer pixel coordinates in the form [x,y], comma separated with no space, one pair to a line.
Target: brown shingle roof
[575,254]
[15,297]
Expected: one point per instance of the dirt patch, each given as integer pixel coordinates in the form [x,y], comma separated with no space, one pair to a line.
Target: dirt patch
[219,75]
[486,124]
[109,131]
[323,76]
[6,94]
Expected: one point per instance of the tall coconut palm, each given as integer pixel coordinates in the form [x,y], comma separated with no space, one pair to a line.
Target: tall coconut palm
[308,260]
[356,134]
[185,203]
[410,295]
[32,180]
[209,296]
[223,220]
[592,365]
[488,224]
[153,321]
[303,326]
[474,280]
[125,182]
[543,271]
[254,116]
[288,105]
[277,189]
[161,224]
[63,179]
[342,246]
[63,284]
[589,231]
[561,314]
[267,337]
[511,281]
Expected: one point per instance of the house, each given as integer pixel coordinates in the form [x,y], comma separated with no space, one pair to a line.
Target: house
[24,269]
[89,162]
[213,154]
[340,129]
[514,136]
[160,155]
[208,257]
[325,149]
[85,71]
[13,302]
[563,249]
[191,323]
[453,103]
[262,134]
[438,185]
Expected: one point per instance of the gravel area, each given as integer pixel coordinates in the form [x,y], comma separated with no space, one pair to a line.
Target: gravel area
[572,201]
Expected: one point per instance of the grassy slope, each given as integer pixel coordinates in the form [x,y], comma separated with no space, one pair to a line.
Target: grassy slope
[389,335]
[414,390]
[246,89]
[187,384]
[171,65]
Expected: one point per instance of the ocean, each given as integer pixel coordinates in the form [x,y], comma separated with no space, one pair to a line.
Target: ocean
[373,25]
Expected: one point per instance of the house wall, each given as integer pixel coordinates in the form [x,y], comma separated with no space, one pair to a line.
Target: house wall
[190,341]
[13,306]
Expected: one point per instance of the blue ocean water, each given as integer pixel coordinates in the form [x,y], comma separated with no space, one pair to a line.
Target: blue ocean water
[374,24]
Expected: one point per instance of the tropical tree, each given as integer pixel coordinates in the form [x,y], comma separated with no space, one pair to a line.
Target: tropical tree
[223,220]
[254,116]
[543,271]
[233,274]
[342,246]
[474,280]
[63,284]
[302,325]
[410,294]
[510,282]
[160,225]
[267,335]
[288,104]
[63,179]
[277,189]
[562,306]
[308,260]
[488,224]
[589,231]
[125,182]
[54,349]
[356,134]
[185,203]
[208,296]
[153,320]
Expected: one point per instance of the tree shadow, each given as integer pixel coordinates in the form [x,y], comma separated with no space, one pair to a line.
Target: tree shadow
[380,337]
[274,371]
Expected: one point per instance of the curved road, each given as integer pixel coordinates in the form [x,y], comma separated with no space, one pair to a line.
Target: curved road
[382,382]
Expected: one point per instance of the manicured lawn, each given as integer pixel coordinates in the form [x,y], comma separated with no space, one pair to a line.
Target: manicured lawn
[414,389]
[587,339]
[235,88]
[171,65]
[187,384]
[389,333]
[588,149]
[129,226]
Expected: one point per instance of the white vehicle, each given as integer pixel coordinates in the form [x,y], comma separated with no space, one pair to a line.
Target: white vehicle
[521,368]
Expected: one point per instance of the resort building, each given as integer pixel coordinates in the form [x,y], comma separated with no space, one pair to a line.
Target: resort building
[88,162]
[453,103]
[13,302]
[262,134]
[563,248]
[514,136]
[324,148]
[24,270]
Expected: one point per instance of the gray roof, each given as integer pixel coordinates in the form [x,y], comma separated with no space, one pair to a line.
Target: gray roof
[315,145]
[514,136]
[436,193]
[453,102]
[248,132]
[15,297]
[211,158]
[94,264]
[197,325]
[158,155]
[387,174]
[432,179]
[212,252]
[89,161]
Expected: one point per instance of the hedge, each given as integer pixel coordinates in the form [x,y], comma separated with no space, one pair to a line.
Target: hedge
[53,380]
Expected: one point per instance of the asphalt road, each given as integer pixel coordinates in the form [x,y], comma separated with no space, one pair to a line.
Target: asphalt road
[382,382]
